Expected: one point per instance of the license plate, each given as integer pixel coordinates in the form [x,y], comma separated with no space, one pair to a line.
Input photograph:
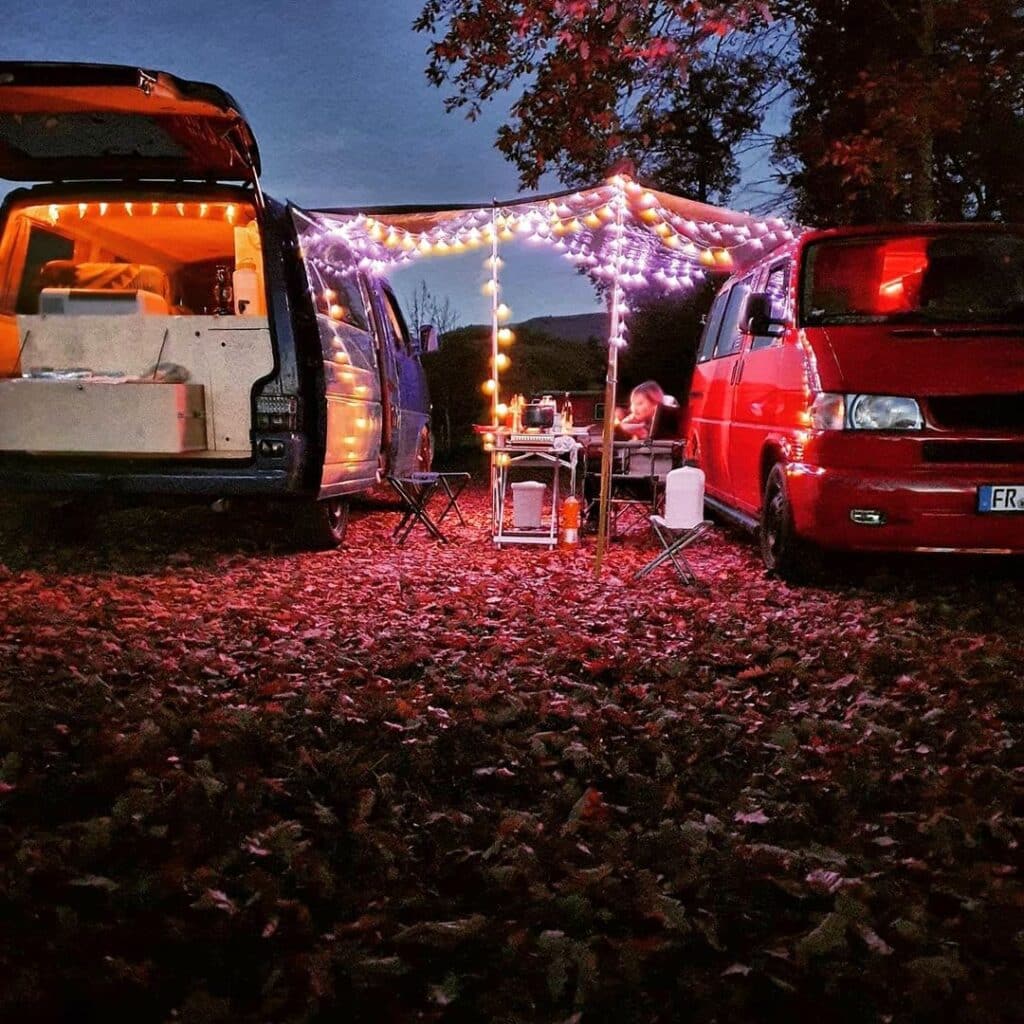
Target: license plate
[1001,498]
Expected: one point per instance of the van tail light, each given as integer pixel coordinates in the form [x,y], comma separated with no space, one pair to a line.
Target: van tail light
[277,413]
[828,411]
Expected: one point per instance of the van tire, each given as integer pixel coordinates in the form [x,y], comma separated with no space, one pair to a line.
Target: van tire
[323,524]
[784,554]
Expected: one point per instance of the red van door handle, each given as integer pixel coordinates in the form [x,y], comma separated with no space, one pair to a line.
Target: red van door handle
[696,394]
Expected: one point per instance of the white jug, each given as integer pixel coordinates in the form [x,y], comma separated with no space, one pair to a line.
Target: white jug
[684,498]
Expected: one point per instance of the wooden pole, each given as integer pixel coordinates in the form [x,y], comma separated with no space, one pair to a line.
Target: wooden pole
[611,383]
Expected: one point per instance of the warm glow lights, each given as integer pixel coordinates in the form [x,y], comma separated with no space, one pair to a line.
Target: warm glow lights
[626,238]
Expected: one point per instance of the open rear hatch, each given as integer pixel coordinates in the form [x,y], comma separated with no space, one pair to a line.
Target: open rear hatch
[87,122]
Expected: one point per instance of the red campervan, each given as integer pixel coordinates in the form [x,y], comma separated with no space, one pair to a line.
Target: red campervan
[863,389]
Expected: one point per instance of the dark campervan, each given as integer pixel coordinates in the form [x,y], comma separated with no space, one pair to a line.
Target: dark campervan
[166,328]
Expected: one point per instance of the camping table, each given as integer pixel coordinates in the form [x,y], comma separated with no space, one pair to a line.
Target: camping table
[547,453]
[415,492]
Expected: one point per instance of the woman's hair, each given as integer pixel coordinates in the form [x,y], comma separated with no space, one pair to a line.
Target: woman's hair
[651,390]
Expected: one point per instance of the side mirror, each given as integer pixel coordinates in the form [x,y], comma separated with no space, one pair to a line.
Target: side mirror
[429,341]
[757,318]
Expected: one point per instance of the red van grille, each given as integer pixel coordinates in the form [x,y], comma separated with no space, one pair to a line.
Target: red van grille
[978,412]
[973,451]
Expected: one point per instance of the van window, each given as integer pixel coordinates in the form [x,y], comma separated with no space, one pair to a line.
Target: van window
[951,276]
[776,287]
[336,293]
[711,326]
[730,337]
[43,246]
[396,322]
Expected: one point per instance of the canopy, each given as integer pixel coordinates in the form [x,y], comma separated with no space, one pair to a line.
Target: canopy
[624,236]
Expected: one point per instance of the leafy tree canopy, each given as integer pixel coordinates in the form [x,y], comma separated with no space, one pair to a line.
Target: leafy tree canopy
[656,83]
[899,110]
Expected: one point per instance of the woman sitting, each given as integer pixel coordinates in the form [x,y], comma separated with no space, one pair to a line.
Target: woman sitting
[650,417]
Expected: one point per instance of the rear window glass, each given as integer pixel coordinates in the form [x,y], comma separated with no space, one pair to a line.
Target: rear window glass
[963,276]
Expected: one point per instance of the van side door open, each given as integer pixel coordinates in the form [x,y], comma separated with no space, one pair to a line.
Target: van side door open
[407,382]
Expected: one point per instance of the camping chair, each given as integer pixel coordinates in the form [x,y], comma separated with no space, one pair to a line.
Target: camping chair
[639,471]
[681,525]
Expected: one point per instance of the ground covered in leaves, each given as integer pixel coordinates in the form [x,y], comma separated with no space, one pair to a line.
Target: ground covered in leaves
[240,782]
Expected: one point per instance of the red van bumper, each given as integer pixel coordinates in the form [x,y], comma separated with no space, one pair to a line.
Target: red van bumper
[924,509]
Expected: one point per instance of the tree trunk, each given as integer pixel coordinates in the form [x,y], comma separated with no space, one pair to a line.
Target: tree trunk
[922,183]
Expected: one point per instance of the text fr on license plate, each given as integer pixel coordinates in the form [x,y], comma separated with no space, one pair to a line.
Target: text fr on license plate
[1001,498]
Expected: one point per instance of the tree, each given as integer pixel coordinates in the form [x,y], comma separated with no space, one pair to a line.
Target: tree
[663,338]
[652,81]
[901,109]
[919,117]
[424,308]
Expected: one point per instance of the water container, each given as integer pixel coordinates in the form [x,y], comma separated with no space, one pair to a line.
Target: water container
[684,498]
[247,296]
[527,503]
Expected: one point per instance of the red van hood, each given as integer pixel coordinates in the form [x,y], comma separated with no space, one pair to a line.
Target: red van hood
[78,122]
[971,359]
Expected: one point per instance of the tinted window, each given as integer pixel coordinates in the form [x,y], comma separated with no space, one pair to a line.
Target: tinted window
[730,337]
[396,321]
[952,276]
[776,287]
[714,321]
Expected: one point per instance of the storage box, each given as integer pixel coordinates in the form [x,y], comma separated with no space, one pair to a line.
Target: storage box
[527,505]
[42,415]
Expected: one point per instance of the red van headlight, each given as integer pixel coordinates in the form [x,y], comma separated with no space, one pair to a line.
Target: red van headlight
[831,411]
[884,412]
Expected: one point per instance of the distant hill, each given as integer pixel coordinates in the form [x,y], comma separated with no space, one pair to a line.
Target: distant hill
[577,328]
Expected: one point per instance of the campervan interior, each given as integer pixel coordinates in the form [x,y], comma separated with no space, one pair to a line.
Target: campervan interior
[131,326]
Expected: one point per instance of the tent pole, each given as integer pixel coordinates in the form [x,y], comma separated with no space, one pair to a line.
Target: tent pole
[495,384]
[611,384]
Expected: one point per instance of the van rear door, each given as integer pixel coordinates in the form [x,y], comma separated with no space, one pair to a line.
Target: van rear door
[82,122]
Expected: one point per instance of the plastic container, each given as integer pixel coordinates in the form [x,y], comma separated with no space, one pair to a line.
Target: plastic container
[684,498]
[527,504]
[246,284]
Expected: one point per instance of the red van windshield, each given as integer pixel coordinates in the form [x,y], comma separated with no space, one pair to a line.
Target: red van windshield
[966,276]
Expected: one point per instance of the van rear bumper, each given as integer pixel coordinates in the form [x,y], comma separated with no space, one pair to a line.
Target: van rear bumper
[926,509]
[253,477]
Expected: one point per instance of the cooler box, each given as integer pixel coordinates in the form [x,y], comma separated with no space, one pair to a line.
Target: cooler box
[149,417]
[527,505]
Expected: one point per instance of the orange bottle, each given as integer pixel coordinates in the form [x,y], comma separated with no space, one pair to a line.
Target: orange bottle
[570,534]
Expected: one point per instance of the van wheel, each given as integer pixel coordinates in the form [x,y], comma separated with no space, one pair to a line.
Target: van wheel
[784,554]
[425,451]
[323,523]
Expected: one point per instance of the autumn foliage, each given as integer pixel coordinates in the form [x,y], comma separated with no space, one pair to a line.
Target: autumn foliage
[243,783]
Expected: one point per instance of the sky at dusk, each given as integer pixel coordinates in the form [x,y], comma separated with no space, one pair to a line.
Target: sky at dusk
[336,94]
